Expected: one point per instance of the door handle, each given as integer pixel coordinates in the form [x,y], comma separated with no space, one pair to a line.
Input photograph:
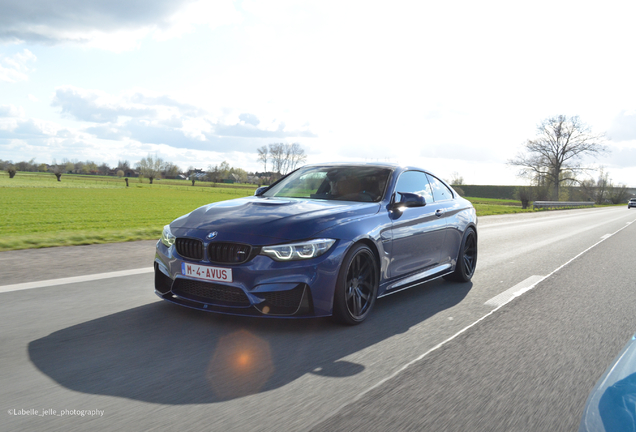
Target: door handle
[439,213]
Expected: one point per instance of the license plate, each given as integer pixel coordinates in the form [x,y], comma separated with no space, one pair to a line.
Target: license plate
[216,274]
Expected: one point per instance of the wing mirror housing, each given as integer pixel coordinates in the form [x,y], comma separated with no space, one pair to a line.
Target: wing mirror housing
[260,190]
[408,199]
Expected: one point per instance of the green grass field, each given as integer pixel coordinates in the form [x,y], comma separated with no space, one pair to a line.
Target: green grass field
[491,206]
[38,211]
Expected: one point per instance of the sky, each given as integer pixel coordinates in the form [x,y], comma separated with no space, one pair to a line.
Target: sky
[453,87]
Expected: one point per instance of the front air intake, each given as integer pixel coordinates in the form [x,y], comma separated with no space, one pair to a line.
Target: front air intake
[229,253]
[189,248]
[211,293]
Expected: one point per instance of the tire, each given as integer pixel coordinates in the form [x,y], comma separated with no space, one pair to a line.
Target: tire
[357,286]
[467,258]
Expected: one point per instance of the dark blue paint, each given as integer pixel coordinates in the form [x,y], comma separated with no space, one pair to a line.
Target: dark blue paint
[408,241]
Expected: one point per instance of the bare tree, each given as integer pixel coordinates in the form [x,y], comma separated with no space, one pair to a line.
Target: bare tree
[58,169]
[456,179]
[602,185]
[217,173]
[170,170]
[151,167]
[525,194]
[11,170]
[286,157]
[277,157]
[123,165]
[603,190]
[618,194]
[103,169]
[262,156]
[297,156]
[554,155]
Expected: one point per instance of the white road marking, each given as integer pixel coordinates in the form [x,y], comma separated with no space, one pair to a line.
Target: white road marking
[468,327]
[515,291]
[606,236]
[75,279]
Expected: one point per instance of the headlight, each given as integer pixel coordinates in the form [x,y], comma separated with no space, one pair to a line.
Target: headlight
[298,251]
[166,236]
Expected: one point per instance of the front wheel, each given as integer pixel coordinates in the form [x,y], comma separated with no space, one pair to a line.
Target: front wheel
[467,259]
[357,286]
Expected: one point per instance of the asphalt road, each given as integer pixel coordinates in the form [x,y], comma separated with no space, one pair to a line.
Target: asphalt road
[105,353]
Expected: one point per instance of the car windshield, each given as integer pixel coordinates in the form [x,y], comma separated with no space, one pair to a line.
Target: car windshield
[346,183]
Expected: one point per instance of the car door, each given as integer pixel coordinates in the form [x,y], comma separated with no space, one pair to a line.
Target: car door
[445,206]
[417,233]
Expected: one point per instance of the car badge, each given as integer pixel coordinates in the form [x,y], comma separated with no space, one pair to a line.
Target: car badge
[212,235]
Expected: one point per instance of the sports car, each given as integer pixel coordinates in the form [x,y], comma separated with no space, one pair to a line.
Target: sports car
[611,406]
[324,240]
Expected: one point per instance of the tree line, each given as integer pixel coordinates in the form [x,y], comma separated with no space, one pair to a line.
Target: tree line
[151,167]
[283,158]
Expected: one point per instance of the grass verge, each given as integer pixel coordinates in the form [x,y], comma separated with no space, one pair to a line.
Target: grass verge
[37,211]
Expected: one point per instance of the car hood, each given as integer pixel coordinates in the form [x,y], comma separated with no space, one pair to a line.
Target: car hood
[280,218]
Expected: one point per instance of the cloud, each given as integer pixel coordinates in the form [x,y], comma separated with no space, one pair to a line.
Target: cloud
[622,156]
[623,127]
[97,21]
[249,131]
[150,132]
[249,119]
[95,106]
[11,111]
[19,128]
[167,101]
[107,132]
[16,68]
[161,119]
[113,125]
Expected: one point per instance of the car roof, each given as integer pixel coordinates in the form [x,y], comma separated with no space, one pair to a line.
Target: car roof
[390,165]
[370,164]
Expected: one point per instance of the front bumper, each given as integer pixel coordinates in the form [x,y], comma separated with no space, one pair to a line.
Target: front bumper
[260,287]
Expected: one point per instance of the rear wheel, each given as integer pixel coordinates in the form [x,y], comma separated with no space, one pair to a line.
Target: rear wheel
[357,286]
[467,259]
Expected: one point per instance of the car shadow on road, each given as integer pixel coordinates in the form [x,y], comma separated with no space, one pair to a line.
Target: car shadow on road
[162,353]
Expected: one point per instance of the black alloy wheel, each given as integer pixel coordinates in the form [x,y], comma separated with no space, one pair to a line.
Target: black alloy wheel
[467,259]
[357,286]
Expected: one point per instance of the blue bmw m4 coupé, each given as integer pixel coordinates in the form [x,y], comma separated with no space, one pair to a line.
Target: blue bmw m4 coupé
[325,240]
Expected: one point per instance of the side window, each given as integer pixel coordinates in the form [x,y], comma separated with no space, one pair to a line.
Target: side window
[440,191]
[414,182]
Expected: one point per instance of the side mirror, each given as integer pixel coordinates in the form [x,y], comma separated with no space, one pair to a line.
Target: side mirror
[260,190]
[410,200]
